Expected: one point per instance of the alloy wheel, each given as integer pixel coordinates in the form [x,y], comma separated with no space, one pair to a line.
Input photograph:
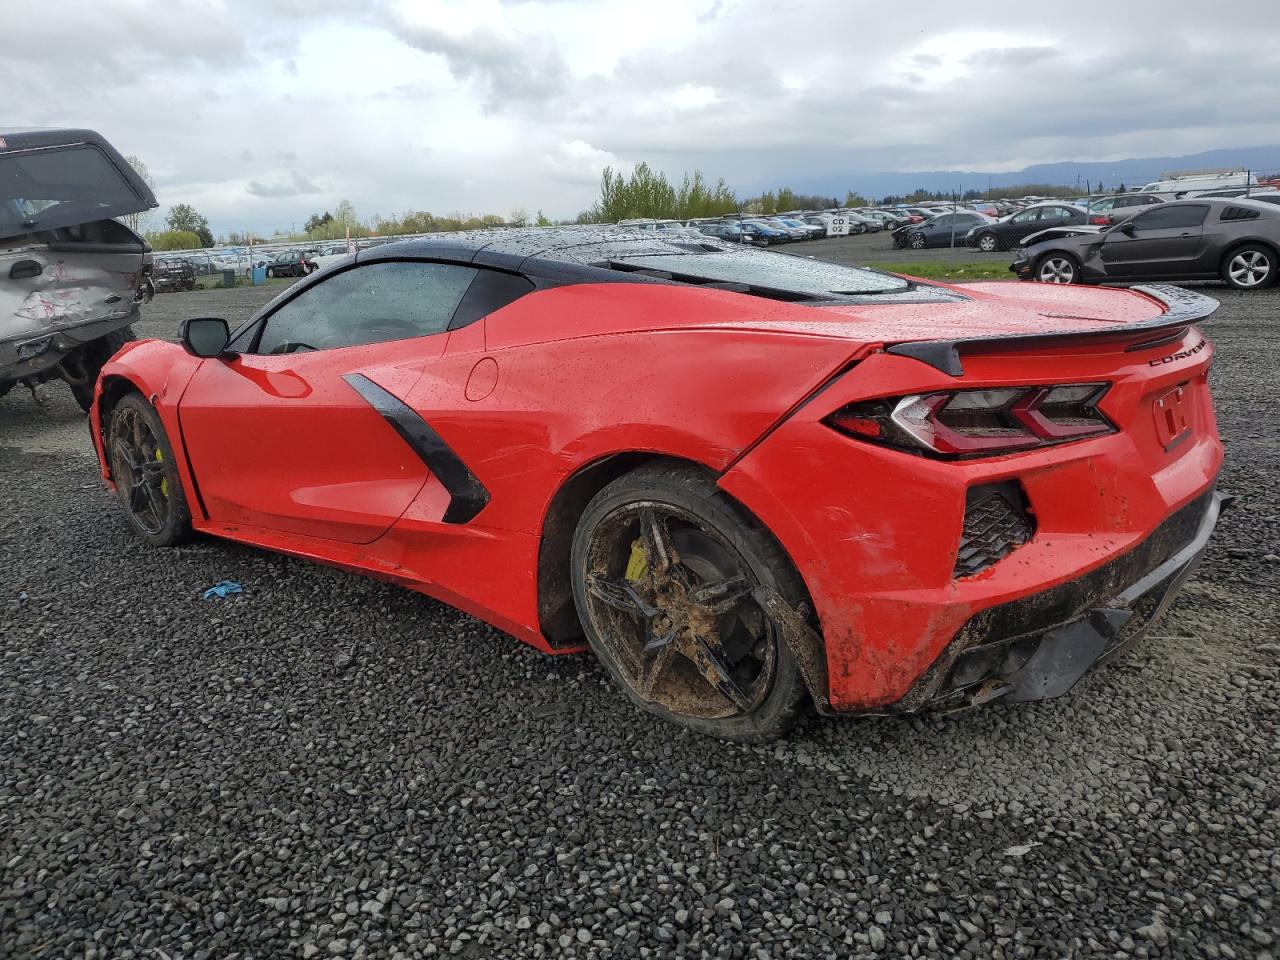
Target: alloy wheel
[139,469]
[987,244]
[672,599]
[1057,270]
[1249,268]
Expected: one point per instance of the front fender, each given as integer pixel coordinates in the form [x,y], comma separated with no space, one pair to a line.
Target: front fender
[160,371]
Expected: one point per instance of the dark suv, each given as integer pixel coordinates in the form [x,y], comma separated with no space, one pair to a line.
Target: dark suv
[173,273]
[292,263]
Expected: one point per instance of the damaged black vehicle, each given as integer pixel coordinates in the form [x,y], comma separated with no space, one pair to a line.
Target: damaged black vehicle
[71,276]
[1234,240]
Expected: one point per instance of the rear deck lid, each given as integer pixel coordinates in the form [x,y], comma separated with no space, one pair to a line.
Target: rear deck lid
[60,178]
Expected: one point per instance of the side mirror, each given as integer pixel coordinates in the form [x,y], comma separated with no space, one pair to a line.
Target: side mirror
[204,336]
[1128,229]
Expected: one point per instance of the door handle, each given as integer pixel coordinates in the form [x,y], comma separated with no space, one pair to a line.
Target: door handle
[1186,235]
[26,269]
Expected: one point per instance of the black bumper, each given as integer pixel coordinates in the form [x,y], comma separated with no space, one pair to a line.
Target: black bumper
[1037,648]
[1021,267]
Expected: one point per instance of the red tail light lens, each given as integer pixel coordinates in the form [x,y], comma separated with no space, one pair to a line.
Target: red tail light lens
[978,423]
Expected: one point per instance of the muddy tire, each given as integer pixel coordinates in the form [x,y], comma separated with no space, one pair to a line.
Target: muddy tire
[96,355]
[663,565]
[145,473]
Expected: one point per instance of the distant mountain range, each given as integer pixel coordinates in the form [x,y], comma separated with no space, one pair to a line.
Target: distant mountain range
[1111,174]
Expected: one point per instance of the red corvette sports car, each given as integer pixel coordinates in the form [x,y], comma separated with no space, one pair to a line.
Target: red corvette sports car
[750,482]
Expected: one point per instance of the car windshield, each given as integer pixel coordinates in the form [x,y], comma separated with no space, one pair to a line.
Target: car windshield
[799,275]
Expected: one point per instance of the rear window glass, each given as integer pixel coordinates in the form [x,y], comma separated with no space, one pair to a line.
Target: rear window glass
[810,279]
[60,186]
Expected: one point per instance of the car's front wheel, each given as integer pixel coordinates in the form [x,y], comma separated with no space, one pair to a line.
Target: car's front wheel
[271,272]
[988,243]
[145,473]
[1058,268]
[917,241]
[665,568]
[1251,267]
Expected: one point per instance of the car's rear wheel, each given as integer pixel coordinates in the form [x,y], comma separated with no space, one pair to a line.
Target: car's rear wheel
[988,243]
[1058,268]
[95,357]
[145,473]
[664,568]
[271,272]
[1250,267]
[917,241]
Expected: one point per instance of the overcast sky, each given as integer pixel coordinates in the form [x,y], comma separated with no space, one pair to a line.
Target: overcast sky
[259,113]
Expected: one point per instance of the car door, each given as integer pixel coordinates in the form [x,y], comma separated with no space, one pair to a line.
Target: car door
[1020,225]
[283,434]
[1165,241]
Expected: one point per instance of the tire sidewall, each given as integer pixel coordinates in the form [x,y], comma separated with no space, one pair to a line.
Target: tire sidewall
[1271,256]
[779,710]
[177,525]
[1075,265]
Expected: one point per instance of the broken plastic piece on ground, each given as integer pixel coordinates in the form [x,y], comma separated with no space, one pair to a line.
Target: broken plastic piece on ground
[223,589]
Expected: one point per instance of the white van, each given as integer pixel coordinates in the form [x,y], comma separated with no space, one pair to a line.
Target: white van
[1178,186]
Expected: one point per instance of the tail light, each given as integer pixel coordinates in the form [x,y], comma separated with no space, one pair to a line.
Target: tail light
[1099,219]
[978,423]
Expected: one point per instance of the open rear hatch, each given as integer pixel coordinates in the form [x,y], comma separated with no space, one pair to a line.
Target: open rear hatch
[51,179]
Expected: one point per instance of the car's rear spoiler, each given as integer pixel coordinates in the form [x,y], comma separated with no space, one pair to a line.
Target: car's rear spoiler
[1182,307]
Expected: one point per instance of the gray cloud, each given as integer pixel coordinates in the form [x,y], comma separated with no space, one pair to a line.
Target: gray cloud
[295,186]
[475,106]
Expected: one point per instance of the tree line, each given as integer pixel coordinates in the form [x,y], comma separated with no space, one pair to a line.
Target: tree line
[644,193]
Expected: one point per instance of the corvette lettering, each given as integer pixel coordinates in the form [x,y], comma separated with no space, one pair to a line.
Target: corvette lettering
[1180,355]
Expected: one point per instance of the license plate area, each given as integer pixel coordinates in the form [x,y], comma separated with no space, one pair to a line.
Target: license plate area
[1170,410]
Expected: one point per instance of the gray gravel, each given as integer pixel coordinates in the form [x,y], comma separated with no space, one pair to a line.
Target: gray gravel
[327,766]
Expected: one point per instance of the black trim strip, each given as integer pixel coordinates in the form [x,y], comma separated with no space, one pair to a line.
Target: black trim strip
[1181,308]
[467,495]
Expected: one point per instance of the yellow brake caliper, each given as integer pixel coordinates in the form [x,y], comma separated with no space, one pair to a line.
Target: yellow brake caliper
[636,563]
[164,481]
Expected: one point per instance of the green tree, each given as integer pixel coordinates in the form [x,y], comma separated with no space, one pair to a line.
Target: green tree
[184,217]
[853,199]
[176,240]
[542,220]
[316,221]
[135,221]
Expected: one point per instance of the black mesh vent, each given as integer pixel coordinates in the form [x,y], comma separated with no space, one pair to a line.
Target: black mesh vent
[1239,213]
[995,524]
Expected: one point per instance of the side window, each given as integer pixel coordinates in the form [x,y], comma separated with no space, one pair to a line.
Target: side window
[1027,216]
[1173,216]
[945,221]
[374,303]
[490,290]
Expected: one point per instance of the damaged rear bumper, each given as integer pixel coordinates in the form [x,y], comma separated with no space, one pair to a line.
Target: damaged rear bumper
[1038,647]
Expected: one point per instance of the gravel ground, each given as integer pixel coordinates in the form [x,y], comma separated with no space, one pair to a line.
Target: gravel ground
[327,766]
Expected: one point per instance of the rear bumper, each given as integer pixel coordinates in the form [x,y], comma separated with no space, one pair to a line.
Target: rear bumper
[1038,647]
[32,354]
[881,537]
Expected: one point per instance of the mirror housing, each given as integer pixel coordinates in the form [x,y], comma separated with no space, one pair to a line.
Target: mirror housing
[1127,228]
[205,337]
